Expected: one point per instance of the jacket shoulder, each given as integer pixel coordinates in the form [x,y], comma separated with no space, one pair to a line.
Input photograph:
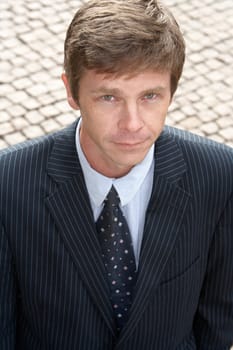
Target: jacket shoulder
[204,158]
[189,141]
[38,147]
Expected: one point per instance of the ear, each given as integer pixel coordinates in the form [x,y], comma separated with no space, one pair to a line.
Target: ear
[171,100]
[70,99]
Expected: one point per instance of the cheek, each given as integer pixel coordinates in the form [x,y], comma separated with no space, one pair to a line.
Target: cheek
[155,127]
[156,118]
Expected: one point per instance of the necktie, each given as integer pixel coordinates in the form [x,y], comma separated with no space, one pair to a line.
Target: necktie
[118,256]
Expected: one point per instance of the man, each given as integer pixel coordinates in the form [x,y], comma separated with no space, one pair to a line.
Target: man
[59,286]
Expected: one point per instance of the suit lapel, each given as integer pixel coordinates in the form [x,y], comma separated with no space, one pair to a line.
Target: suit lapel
[70,208]
[164,217]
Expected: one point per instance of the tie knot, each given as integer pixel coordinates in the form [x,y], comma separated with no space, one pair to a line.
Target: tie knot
[113,198]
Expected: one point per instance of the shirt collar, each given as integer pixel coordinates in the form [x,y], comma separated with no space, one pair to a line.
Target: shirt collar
[99,185]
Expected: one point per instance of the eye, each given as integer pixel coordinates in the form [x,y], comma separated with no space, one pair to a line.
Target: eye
[108,98]
[150,96]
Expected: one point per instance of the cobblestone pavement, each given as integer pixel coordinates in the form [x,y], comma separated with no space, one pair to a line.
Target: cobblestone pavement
[32,96]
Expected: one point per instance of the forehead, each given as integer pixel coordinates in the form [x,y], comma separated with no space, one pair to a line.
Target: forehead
[142,80]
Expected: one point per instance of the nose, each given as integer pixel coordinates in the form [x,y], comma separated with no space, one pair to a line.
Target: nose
[130,119]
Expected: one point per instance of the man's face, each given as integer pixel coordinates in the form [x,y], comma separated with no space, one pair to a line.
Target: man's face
[121,118]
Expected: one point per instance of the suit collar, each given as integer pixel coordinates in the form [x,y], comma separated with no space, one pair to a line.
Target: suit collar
[70,208]
[63,162]
[76,226]
[164,218]
[170,162]
[99,185]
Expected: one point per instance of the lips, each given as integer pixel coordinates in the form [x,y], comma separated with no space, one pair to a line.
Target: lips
[130,143]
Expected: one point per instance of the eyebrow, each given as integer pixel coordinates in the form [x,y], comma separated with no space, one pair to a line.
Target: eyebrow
[116,91]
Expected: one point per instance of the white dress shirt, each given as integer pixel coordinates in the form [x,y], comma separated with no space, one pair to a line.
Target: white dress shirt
[134,190]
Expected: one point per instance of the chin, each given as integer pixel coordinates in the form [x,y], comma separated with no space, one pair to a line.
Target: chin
[131,162]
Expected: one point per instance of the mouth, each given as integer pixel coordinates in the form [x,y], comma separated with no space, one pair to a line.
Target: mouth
[130,143]
[126,144]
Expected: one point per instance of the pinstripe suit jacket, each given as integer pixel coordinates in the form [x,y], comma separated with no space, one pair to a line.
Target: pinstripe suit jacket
[53,291]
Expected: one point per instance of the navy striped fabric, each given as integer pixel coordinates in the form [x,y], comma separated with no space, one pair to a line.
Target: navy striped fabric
[53,291]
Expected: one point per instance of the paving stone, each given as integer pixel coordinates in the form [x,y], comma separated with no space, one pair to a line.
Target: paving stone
[224,122]
[58,94]
[37,90]
[57,28]
[40,77]
[209,53]
[33,131]
[209,128]
[11,43]
[33,6]
[201,67]
[197,132]
[188,110]
[6,15]
[49,111]
[6,78]
[46,99]
[62,106]
[208,116]
[19,61]
[32,68]
[227,134]
[56,87]
[50,125]
[177,116]
[22,50]
[22,83]
[66,119]
[31,46]
[5,66]
[215,76]
[191,123]
[6,128]
[219,86]
[209,100]
[56,71]
[18,72]
[21,28]
[19,123]
[17,96]
[14,138]
[196,58]
[170,121]
[218,138]
[30,103]
[34,117]
[224,96]
[4,117]
[16,110]
[4,103]
[36,23]
[5,30]
[3,144]
[223,110]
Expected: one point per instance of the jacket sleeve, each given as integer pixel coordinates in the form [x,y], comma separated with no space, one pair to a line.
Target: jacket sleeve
[213,326]
[7,295]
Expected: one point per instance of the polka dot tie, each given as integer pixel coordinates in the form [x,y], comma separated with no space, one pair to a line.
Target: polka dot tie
[118,256]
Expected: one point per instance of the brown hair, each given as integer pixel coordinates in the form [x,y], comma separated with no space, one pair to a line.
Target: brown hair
[123,37]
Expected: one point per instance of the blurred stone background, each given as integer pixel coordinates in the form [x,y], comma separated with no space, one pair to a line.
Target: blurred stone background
[32,96]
